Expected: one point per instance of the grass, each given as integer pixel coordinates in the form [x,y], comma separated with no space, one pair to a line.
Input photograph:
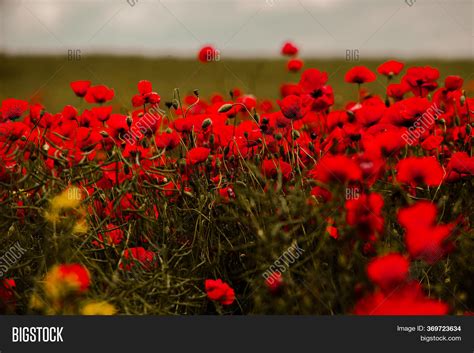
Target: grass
[46,79]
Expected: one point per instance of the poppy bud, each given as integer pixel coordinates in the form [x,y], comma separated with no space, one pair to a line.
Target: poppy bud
[468,129]
[295,134]
[311,146]
[104,133]
[265,121]
[351,115]
[462,100]
[196,92]
[212,139]
[168,131]
[129,121]
[226,150]
[225,108]
[206,123]
[175,104]
[278,137]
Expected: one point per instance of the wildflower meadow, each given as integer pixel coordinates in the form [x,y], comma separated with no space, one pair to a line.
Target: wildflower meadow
[232,203]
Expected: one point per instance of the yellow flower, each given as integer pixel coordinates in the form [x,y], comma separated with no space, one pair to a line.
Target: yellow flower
[63,280]
[36,303]
[98,308]
[80,227]
[52,217]
[68,199]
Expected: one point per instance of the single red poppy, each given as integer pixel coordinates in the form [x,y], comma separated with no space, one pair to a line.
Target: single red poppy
[360,74]
[99,94]
[289,49]
[419,171]
[12,109]
[219,291]
[208,54]
[295,107]
[388,271]
[294,65]
[336,169]
[80,88]
[453,83]
[390,68]
[197,155]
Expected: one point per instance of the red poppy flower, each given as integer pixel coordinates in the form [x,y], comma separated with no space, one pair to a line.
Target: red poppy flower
[453,83]
[321,193]
[408,299]
[419,171]
[312,81]
[420,215]
[388,271]
[289,49]
[288,89]
[145,95]
[208,54]
[425,239]
[12,109]
[421,80]
[336,169]
[365,213]
[13,131]
[102,113]
[397,90]
[432,142]
[271,168]
[460,165]
[7,296]
[294,65]
[168,139]
[80,88]
[76,272]
[197,155]
[113,235]
[99,94]
[138,256]
[390,68]
[360,74]
[295,107]
[227,194]
[118,126]
[219,291]
[274,282]
[431,243]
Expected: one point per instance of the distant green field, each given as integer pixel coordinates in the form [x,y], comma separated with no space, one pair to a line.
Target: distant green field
[46,79]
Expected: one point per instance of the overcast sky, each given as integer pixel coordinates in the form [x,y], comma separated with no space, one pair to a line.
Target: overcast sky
[239,27]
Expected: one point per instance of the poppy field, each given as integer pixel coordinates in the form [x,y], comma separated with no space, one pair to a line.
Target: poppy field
[231,203]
